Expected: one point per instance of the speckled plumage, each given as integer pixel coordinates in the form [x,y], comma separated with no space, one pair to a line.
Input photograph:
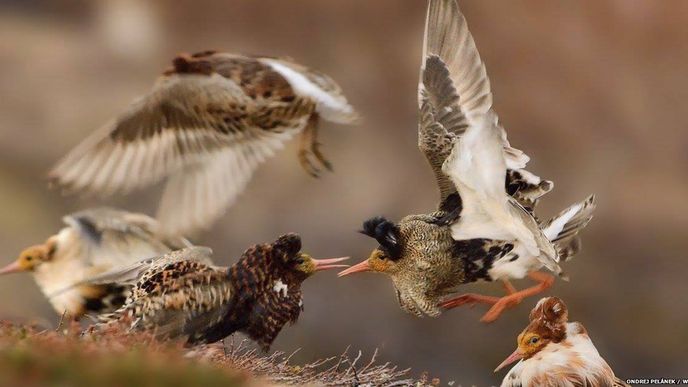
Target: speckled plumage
[432,264]
[181,295]
[207,124]
[484,227]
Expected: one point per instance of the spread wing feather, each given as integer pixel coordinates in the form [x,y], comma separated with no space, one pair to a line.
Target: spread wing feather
[210,108]
[448,38]
[183,119]
[454,86]
[113,238]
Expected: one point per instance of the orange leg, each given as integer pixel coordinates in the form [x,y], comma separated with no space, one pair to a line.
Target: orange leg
[512,298]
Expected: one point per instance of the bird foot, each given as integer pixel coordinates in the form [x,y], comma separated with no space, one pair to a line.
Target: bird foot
[309,149]
[448,219]
[307,164]
[320,157]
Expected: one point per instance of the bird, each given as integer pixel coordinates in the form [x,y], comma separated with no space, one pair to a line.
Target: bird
[484,227]
[182,295]
[209,121]
[554,352]
[94,241]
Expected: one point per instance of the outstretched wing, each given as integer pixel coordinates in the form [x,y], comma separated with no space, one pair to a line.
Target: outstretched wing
[207,124]
[441,119]
[448,40]
[453,84]
[110,238]
[195,196]
[183,119]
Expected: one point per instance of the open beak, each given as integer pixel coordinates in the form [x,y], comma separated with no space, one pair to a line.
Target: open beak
[324,264]
[13,267]
[516,356]
[357,268]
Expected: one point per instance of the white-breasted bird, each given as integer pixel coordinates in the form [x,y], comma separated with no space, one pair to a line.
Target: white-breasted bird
[554,352]
[94,241]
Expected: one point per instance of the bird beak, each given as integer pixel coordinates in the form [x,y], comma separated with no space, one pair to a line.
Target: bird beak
[357,268]
[324,264]
[512,358]
[13,267]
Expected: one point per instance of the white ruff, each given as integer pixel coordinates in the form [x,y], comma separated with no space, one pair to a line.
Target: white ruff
[280,288]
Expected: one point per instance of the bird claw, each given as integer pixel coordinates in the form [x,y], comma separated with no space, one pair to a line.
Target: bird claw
[446,220]
[307,164]
[315,149]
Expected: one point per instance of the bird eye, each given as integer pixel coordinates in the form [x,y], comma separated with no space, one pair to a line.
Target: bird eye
[29,258]
[534,340]
[299,261]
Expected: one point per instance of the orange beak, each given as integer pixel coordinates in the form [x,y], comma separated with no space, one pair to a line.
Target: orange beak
[325,264]
[512,358]
[357,268]
[13,267]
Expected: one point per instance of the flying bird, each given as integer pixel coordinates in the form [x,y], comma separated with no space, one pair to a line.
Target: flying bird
[182,294]
[554,352]
[484,227]
[94,241]
[206,125]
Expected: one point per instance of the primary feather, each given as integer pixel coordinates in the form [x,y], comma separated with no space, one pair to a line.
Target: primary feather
[206,126]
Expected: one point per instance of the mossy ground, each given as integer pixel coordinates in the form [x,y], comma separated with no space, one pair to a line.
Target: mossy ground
[34,357]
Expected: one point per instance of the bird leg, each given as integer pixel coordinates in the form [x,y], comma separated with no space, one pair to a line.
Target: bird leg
[310,147]
[315,145]
[499,304]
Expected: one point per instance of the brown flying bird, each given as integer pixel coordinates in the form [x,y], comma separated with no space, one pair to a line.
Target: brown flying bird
[554,352]
[208,123]
[183,295]
[93,242]
[484,228]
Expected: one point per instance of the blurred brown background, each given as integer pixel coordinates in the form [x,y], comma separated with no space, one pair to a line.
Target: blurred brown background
[592,90]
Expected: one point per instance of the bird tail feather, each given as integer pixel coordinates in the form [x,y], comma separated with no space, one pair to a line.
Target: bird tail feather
[563,229]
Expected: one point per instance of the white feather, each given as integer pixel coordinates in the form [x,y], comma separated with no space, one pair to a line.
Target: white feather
[329,106]
[477,167]
[576,355]
[558,224]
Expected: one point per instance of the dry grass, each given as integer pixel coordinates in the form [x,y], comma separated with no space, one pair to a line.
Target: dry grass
[30,356]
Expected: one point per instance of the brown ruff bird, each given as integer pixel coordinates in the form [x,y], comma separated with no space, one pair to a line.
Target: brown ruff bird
[208,123]
[182,295]
[94,241]
[556,353]
[484,228]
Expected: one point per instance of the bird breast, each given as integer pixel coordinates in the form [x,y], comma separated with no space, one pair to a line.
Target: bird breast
[571,362]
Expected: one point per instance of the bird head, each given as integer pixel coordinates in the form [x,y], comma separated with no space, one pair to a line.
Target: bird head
[547,325]
[288,248]
[29,259]
[385,257]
